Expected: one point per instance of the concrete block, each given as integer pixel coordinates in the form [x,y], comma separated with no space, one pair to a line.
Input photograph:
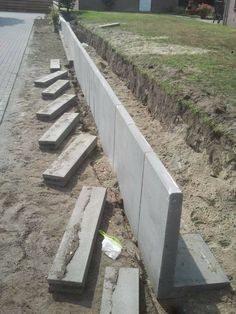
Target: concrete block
[120,291]
[65,165]
[51,78]
[130,150]
[56,134]
[196,268]
[55,89]
[104,103]
[159,223]
[56,108]
[71,263]
[55,65]
[109,25]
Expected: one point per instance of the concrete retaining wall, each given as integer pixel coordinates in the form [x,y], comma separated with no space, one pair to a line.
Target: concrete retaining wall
[152,199]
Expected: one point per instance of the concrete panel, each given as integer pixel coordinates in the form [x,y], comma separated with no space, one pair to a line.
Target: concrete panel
[71,264]
[65,165]
[196,266]
[104,103]
[85,70]
[51,78]
[120,291]
[56,108]
[159,223]
[55,65]
[56,89]
[57,133]
[130,150]
[152,199]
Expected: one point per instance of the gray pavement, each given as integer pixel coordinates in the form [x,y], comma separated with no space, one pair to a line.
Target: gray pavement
[15,29]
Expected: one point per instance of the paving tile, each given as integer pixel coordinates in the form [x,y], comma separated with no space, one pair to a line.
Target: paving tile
[13,41]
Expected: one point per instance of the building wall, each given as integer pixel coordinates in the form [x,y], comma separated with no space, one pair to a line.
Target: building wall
[26,5]
[119,5]
[127,5]
[164,5]
[230,14]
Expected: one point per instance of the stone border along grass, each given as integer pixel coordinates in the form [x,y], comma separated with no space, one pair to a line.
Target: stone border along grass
[152,199]
[205,134]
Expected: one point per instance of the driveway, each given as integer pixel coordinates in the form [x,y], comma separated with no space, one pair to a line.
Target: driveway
[15,30]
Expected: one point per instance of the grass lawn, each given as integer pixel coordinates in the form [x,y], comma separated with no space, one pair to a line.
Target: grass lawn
[211,74]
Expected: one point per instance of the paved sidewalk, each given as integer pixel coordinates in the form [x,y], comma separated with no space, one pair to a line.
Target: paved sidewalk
[15,29]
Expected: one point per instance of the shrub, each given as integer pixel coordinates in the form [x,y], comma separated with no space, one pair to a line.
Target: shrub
[54,18]
[204,10]
[191,8]
[68,4]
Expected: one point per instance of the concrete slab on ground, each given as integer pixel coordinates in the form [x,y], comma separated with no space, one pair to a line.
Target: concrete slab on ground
[120,291]
[71,264]
[49,79]
[56,108]
[57,133]
[65,165]
[56,89]
[55,65]
[196,267]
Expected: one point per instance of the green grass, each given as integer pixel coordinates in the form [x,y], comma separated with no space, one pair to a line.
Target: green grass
[212,73]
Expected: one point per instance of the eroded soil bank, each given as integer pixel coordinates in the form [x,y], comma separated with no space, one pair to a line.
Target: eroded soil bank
[33,215]
[209,200]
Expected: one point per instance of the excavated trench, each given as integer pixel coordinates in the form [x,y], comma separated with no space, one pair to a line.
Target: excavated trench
[202,133]
[199,158]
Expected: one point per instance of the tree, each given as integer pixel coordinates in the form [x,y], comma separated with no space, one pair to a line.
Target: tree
[68,4]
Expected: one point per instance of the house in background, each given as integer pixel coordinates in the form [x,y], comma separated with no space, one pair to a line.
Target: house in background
[129,5]
[230,13]
[26,5]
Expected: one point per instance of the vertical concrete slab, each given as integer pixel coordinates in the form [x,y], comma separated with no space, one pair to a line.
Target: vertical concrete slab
[130,150]
[159,223]
[105,117]
[78,63]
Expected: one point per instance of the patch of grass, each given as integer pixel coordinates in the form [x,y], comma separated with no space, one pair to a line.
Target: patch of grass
[212,73]
[180,30]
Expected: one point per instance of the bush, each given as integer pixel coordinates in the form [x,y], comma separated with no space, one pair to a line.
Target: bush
[191,8]
[68,4]
[204,10]
[54,18]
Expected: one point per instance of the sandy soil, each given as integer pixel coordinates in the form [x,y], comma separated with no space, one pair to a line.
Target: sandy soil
[33,215]
[209,202]
[141,45]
